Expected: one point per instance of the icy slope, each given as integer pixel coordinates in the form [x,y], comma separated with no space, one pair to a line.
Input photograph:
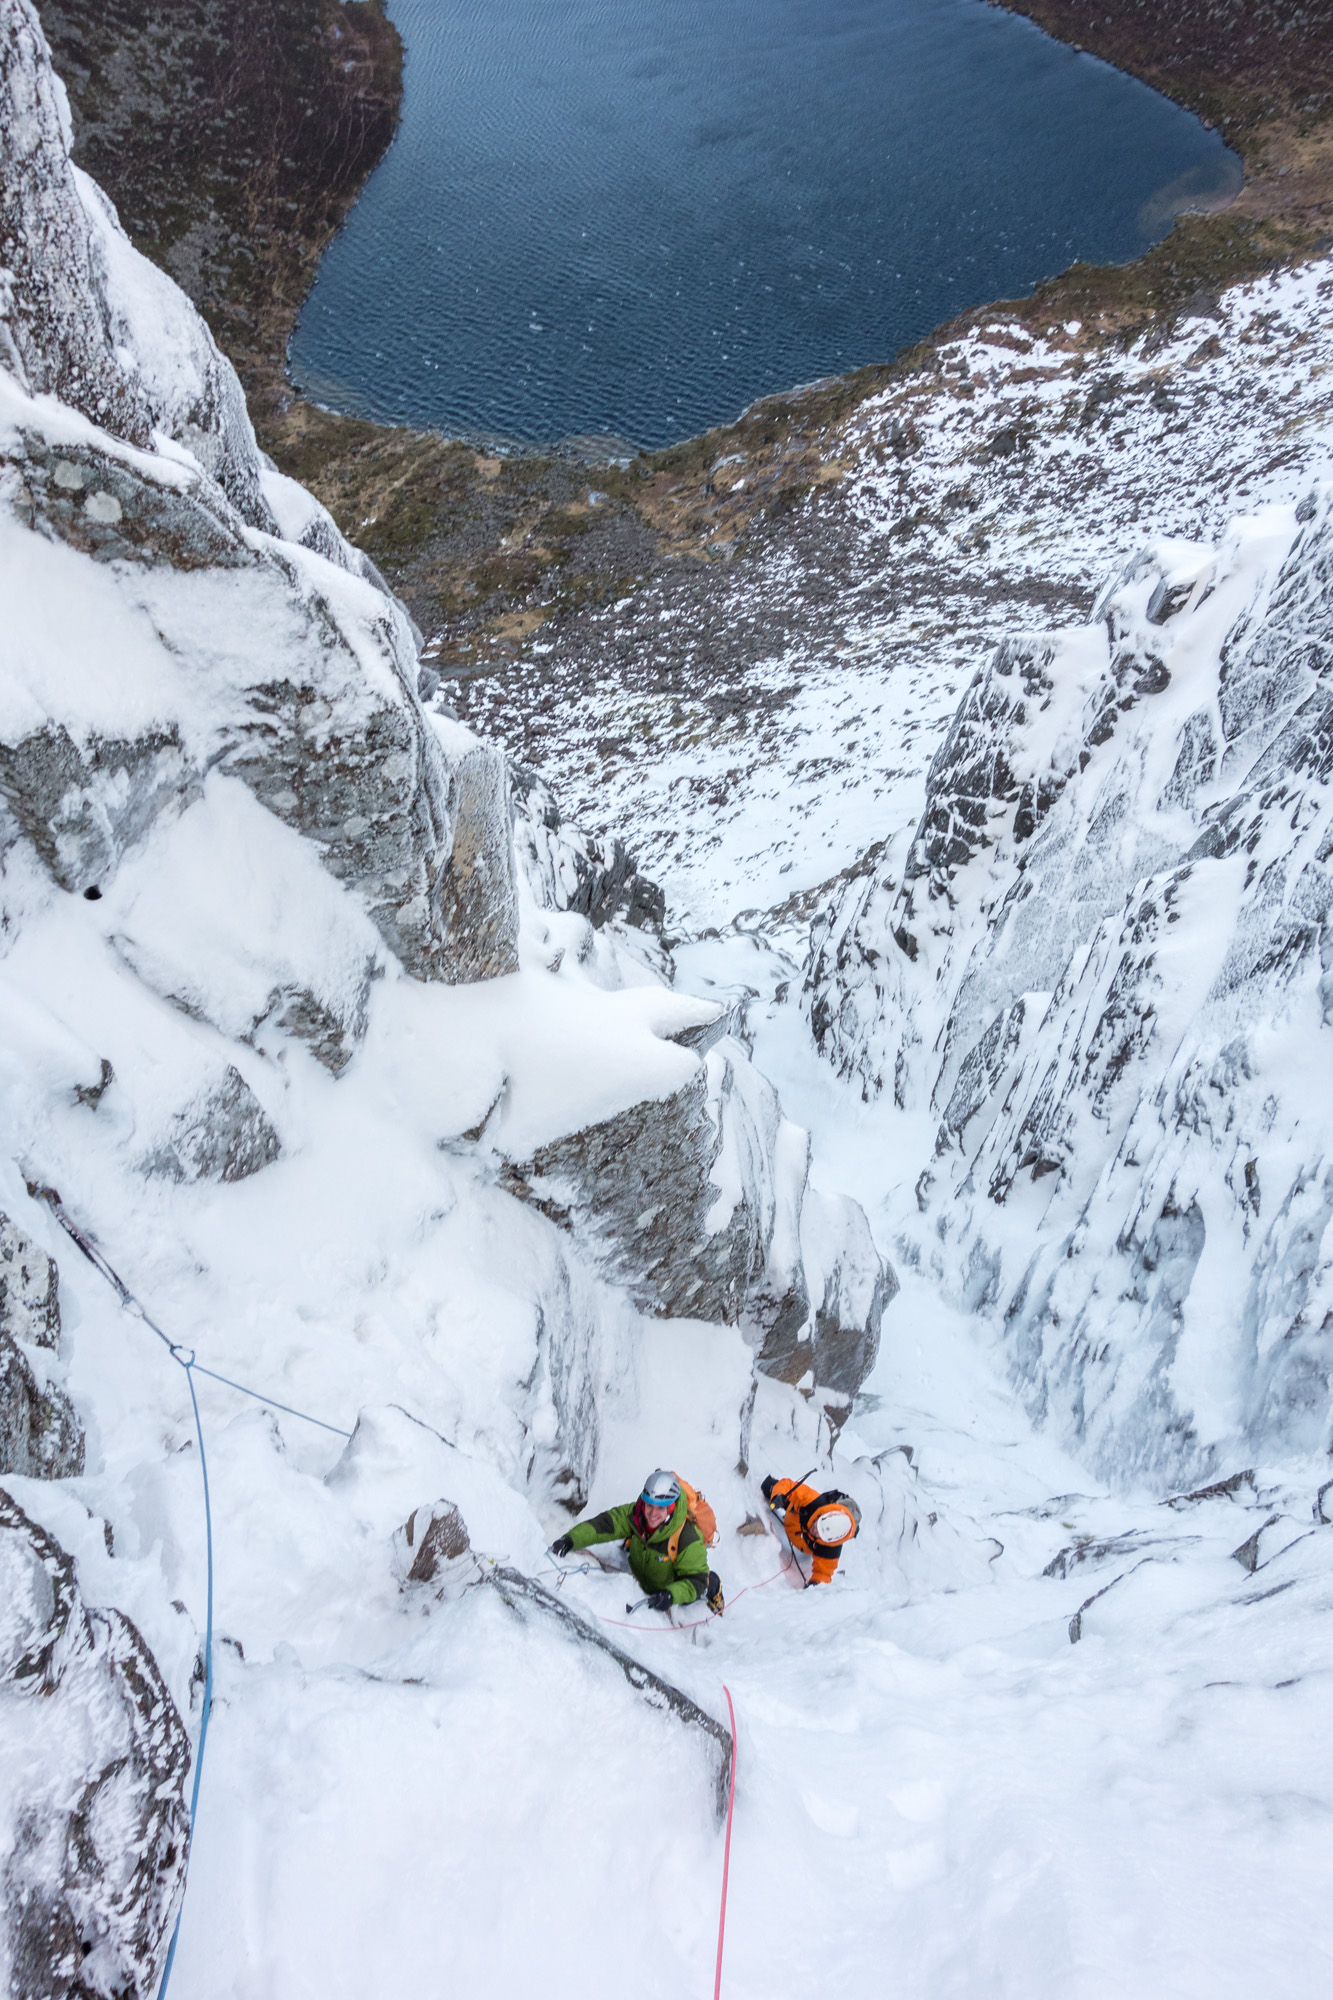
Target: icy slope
[1003,1813]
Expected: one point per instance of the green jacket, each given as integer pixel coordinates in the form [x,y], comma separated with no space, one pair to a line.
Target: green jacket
[686,1578]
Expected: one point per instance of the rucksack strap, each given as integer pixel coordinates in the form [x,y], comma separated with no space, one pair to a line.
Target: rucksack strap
[677,1536]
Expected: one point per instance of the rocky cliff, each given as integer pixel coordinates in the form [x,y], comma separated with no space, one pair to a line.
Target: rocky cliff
[1102,963]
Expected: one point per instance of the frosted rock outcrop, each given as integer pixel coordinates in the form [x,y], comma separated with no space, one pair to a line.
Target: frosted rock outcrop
[82,316]
[700,1204]
[1103,966]
[40,1433]
[219,619]
[571,869]
[29,1289]
[433,1549]
[222,1134]
[94,1821]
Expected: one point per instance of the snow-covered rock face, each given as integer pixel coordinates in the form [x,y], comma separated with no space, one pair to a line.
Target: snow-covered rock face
[206,614]
[573,870]
[290,1017]
[1102,963]
[82,317]
[154,638]
[700,1204]
[95,1833]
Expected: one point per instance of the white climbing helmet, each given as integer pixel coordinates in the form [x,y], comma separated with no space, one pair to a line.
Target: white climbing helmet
[661,1489]
[835,1524]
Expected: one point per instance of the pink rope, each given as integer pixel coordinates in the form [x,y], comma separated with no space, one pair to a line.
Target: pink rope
[662,1630]
[726,1852]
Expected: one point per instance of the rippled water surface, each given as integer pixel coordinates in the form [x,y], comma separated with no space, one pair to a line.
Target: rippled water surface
[634,216]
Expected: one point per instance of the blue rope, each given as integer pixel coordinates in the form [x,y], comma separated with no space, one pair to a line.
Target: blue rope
[186,1359]
[260,1397]
[131,1304]
[189,1366]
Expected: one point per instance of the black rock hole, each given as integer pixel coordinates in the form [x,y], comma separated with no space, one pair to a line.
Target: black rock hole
[93,895]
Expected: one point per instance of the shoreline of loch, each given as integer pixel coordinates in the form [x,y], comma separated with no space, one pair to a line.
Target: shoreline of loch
[485,546]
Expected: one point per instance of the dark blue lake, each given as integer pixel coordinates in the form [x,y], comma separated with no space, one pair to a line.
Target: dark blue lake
[635,216]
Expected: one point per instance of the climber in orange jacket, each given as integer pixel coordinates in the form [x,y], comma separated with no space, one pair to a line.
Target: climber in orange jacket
[820,1525]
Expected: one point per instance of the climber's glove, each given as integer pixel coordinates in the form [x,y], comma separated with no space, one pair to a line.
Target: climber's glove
[563,1545]
[659,1600]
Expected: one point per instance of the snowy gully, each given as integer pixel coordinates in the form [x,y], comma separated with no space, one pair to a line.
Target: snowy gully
[840,1037]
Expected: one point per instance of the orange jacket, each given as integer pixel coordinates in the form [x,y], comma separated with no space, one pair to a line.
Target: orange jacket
[825,1561]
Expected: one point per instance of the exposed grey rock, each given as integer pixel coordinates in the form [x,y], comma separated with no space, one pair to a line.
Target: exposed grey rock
[857,1286]
[478,892]
[223,1134]
[635,1188]
[81,806]
[94,1812]
[112,509]
[29,1289]
[74,291]
[56,323]
[571,869]
[40,1433]
[369,784]
[699,1204]
[331,1026]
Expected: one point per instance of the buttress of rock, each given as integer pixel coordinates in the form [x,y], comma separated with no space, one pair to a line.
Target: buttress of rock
[75,296]
[212,617]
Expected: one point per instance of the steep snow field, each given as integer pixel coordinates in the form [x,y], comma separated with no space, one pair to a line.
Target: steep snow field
[377,1123]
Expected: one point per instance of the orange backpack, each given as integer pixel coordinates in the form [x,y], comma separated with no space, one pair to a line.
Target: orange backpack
[697,1510]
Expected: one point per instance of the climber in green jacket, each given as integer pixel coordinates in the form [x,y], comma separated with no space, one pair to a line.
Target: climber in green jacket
[667,1553]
